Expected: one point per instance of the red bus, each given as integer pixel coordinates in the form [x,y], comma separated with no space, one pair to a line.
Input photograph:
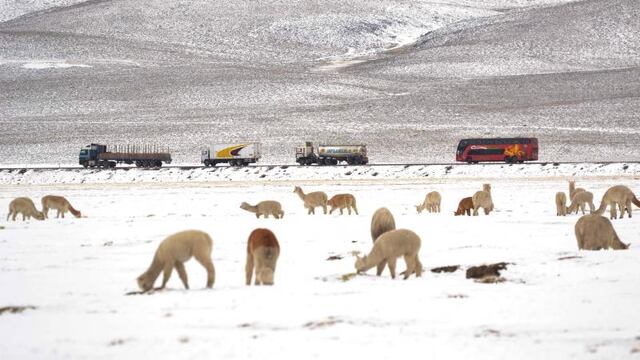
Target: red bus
[509,150]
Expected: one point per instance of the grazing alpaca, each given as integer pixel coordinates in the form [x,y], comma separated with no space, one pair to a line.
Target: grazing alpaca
[265,208]
[59,203]
[312,200]
[482,199]
[621,196]
[464,207]
[388,247]
[431,203]
[578,201]
[262,252]
[173,252]
[381,222]
[595,232]
[573,189]
[561,203]
[342,201]
[24,206]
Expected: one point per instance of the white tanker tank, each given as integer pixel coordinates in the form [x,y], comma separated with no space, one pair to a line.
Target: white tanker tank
[329,154]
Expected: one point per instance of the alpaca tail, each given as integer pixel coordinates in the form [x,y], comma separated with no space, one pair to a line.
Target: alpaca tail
[75,212]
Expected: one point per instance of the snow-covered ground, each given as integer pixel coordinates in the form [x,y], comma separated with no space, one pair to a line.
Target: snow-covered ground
[557,302]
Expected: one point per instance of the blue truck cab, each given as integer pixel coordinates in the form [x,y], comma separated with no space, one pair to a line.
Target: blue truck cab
[89,154]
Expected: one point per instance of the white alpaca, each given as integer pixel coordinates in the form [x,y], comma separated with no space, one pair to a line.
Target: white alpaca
[388,247]
[482,199]
[431,203]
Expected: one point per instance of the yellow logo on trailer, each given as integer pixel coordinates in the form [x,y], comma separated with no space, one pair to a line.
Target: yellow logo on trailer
[230,152]
[514,151]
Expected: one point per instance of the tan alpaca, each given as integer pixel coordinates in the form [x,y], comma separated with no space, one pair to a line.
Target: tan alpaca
[578,201]
[58,203]
[312,200]
[482,199]
[24,206]
[595,232]
[431,203]
[262,253]
[621,196]
[561,203]
[174,251]
[388,247]
[573,189]
[381,222]
[342,201]
[265,208]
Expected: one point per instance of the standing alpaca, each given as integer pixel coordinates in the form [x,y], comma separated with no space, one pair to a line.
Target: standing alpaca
[573,189]
[619,195]
[381,222]
[265,208]
[312,200]
[579,199]
[595,232]
[342,201]
[388,247]
[561,204]
[58,203]
[174,251]
[431,203]
[24,206]
[482,199]
[262,253]
[464,206]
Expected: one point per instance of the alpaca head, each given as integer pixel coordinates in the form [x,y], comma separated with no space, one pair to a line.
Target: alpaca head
[77,214]
[486,187]
[360,262]
[144,283]
[39,215]
[297,189]
[419,208]
[244,206]
[265,276]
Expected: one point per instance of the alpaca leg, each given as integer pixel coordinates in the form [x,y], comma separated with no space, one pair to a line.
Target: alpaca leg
[418,266]
[392,266]
[355,209]
[380,267]
[409,260]
[581,206]
[341,211]
[248,269]
[324,207]
[349,209]
[62,213]
[168,268]
[613,211]
[183,274]
[475,211]
[205,260]
[629,207]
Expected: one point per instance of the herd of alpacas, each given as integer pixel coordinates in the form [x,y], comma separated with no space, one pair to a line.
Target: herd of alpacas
[593,231]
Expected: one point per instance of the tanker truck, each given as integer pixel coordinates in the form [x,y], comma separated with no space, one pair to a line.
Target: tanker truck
[331,154]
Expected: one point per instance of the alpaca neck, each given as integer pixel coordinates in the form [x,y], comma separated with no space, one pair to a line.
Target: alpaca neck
[75,212]
[154,269]
[301,194]
[373,259]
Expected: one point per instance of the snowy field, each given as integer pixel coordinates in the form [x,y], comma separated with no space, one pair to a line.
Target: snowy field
[557,302]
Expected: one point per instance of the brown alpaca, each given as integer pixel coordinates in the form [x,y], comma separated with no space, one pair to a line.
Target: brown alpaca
[174,251]
[464,207]
[381,222]
[58,203]
[265,208]
[578,201]
[388,247]
[482,199]
[573,189]
[431,203]
[312,200]
[342,201]
[24,206]
[262,252]
[595,232]
[561,204]
[621,196]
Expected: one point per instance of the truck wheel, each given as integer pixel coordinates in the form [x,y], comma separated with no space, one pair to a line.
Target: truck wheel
[138,163]
[357,161]
[158,163]
[207,163]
